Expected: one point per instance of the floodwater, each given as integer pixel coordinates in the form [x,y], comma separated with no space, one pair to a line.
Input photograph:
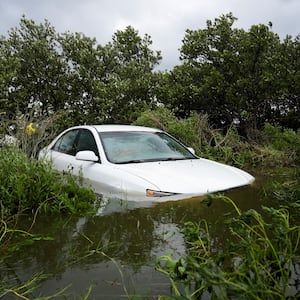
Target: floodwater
[112,255]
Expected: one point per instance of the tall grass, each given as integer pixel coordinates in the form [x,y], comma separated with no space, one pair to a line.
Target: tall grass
[28,132]
[28,185]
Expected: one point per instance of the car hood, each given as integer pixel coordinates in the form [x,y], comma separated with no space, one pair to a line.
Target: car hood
[195,176]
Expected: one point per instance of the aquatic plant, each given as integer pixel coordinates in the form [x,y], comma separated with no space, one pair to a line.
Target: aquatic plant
[260,261]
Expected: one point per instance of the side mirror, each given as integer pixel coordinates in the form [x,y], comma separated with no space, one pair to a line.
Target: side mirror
[192,150]
[87,155]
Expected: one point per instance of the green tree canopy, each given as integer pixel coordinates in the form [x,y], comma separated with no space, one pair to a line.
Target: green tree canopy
[70,72]
[233,75]
[33,70]
[132,81]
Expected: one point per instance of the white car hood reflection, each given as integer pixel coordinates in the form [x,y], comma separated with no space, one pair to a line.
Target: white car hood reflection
[195,176]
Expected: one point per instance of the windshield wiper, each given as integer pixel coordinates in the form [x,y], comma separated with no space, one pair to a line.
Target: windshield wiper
[132,161]
[136,161]
[173,158]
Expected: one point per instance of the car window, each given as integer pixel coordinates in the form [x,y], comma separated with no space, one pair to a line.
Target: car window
[124,147]
[86,141]
[66,143]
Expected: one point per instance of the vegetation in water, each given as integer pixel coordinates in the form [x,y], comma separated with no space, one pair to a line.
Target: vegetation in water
[261,257]
[260,261]
[28,185]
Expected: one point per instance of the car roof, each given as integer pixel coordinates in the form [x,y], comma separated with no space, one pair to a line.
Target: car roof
[114,127]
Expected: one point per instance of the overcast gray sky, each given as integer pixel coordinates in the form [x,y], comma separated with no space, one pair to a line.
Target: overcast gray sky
[164,20]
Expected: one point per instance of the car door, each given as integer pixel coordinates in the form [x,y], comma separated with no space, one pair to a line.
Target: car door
[64,150]
[102,176]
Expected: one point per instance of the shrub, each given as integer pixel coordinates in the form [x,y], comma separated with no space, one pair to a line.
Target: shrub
[282,139]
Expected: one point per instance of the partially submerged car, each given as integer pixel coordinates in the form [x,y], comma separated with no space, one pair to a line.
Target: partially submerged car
[139,163]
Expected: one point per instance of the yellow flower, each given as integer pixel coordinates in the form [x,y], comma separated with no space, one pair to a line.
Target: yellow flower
[30,129]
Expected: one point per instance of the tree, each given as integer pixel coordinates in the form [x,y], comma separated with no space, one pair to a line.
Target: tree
[87,75]
[234,75]
[132,80]
[289,104]
[70,72]
[210,58]
[111,83]
[39,74]
[8,72]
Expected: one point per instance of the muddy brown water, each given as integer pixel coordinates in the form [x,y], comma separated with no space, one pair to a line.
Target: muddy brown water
[113,254]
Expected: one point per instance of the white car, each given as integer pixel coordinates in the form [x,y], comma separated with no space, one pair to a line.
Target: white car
[139,163]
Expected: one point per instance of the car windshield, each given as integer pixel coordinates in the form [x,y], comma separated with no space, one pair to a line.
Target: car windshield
[135,147]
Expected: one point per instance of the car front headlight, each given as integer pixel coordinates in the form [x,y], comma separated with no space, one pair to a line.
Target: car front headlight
[153,193]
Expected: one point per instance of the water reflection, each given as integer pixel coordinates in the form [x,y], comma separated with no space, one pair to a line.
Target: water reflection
[115,251]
